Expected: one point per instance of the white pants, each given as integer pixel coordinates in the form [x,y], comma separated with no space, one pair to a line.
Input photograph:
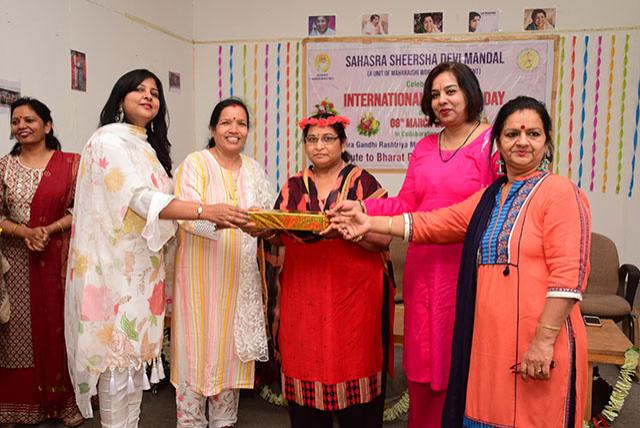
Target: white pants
[191,406]
[122,409]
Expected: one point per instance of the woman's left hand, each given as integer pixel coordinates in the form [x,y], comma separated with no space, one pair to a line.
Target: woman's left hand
[537,361]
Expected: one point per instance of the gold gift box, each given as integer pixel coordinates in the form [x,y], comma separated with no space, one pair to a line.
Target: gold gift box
[311,221]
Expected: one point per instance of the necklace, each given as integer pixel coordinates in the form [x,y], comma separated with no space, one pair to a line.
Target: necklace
[459,147]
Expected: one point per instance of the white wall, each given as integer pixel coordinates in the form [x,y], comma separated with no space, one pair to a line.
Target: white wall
[35,39]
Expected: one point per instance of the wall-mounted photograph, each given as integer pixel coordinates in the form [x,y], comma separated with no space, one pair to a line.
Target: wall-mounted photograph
[78,71]
[540,19]
[427,22]
[322,25]
[374,24]
[484,21]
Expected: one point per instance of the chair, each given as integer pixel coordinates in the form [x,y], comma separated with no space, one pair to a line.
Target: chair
[611,288]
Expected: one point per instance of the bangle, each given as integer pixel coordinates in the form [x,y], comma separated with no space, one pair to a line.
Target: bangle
[60,226]
[199,211]
[271,236]
[357,238]
[1,229]
[390,224]
[407,227]
[363,207]
[550,327]
[13,230]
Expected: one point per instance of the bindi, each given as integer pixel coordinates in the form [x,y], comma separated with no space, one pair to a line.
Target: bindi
[522,127]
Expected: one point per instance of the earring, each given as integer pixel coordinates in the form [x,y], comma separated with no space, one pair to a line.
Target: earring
[500,164]
[544,164]
[119,115]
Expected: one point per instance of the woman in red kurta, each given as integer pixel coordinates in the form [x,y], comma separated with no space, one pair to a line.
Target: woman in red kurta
[335,294]
[519,350]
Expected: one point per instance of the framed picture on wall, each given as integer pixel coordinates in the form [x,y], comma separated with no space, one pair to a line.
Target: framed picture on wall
[428,22]
[322,25]
[174,81]
[375,24]
[539,19]
[9,92]
[78,71]
[486,21]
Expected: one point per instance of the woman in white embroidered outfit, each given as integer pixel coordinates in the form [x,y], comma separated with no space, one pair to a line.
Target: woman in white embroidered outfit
[218,328]
[114,306]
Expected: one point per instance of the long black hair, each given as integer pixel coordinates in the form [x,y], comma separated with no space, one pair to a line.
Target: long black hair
[338,127]
[217,111]
[157,128]
[44,113]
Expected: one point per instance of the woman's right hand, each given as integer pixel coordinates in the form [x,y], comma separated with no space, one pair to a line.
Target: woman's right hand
[36,239]
[225,216]
[350,224]
[346,207]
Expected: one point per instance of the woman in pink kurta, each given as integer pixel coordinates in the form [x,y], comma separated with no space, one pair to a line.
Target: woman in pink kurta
[444,168]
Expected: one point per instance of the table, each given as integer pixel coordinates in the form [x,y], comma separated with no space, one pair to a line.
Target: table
[605,345]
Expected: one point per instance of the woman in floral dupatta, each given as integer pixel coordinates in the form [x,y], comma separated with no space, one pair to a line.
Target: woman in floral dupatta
[114,308]
[335,295]
[37,182]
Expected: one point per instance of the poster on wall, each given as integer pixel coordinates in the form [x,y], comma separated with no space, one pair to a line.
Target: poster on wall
[322,25]
[539,19]
[78,71]
[174,81]
[484,21]
[375,24]
[379,86]
[9,92]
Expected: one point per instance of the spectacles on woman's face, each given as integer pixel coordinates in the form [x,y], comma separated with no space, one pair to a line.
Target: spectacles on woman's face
[327,139]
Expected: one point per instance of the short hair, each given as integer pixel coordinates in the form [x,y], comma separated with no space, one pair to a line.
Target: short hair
[44,113]
[468,83]
[338,127]
[537,11]
[217,111]
[524,103]
[157,128]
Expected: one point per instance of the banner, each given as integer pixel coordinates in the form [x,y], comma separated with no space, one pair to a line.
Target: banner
[379,86]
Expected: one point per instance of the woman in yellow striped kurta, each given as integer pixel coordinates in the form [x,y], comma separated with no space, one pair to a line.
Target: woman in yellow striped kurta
[217,329]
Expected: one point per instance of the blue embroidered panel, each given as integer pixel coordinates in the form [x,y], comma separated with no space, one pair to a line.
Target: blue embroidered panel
[468,423]
[494,248]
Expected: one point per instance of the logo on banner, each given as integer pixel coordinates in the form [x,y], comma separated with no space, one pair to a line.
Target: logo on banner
[322,62]
[528,59]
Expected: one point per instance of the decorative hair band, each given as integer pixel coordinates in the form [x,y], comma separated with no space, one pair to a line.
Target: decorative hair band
[322,122]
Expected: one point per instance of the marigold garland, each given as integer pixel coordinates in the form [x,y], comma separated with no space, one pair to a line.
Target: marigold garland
[620,391]
[322,122]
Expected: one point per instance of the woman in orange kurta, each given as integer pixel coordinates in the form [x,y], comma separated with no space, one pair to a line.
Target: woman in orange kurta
[519,353]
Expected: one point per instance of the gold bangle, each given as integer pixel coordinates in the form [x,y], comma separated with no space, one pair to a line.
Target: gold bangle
[1,229]
[60,226]
[550,327]
[357,238]
[390,224]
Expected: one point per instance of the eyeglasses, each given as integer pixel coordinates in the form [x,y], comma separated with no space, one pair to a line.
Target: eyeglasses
[326,139]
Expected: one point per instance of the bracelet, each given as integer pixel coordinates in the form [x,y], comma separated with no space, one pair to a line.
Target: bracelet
[550,327]
[1,229]
[199,211]
[273,235]
[357,238]
[60,226]
[13,231]
[407,227]
[390,224]
[363,207]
